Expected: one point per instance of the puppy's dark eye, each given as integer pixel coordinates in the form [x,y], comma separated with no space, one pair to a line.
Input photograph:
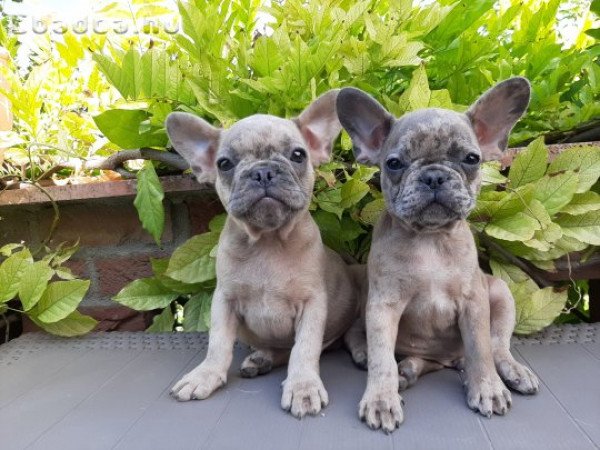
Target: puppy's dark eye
[394,164]
[224,164]
[472,159]
[298,155]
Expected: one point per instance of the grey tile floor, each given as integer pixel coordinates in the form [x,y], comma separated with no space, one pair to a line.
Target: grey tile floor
[110,390]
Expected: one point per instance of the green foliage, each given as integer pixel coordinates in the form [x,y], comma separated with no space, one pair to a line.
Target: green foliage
[110,92]
[441,54]
[52,305]
[537,215]
[148,201]
[183,283]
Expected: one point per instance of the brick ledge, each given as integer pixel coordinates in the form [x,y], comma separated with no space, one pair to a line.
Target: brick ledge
[106,189]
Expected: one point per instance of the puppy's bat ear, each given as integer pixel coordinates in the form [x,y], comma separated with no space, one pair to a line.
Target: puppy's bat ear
[194,139]
[366,121]
[319,126]
[495,113]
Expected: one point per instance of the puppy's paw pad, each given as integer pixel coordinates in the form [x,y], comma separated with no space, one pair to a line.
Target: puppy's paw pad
[488,396]
[256,364]
[198,384]
[304,395]
[407,375]
[518,377]
[381,410]
[360,359]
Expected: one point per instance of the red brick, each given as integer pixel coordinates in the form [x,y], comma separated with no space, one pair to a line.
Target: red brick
[99,224]
[78,268]
[201,212]
[117,318]
[15,227]
[114,273]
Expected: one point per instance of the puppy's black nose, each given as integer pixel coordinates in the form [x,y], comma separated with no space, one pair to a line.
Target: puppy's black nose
[263,176]
[434,178]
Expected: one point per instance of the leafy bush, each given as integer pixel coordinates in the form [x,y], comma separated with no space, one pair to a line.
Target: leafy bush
[51,305]
[444,53]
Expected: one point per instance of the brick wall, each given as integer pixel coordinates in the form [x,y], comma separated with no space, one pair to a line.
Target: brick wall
[114,248]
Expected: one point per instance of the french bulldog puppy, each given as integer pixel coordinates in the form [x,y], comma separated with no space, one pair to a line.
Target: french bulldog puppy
[428,299]
[278,287]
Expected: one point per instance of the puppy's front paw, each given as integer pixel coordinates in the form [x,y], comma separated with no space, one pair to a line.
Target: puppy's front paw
[488,395]
[258,363]
[360,359]
[518,377]
[198,384]
[303,394]
[382,409]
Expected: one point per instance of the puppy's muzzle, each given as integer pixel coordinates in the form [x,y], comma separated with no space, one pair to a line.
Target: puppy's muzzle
[435,179]
[263,176]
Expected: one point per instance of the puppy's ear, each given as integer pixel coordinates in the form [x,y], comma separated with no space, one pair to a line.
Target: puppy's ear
[366,121]
[495,113]
[194,139]
[319,126]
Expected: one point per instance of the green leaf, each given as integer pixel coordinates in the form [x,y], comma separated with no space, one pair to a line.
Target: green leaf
[583,203]
[196,312]
[122,127]
[75,324]
[145,294]
[11,272]
[417,95]
[331,200]
[59,300]
[556,191]
[217,223]
[148,201]
[159,267]
[33,283]
[352,192]
[490,173]
[336,232]
[192,262]
[584,228]
[538,310]
[519,227]
[372,211]
[585,161]
[530,164]
[162,322]
[510,273]
[6,250]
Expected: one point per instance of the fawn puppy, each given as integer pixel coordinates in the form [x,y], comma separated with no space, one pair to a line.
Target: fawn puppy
[279,289]
[428,299]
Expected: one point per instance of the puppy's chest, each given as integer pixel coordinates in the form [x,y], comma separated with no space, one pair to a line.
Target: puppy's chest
[268,296]
[437,285]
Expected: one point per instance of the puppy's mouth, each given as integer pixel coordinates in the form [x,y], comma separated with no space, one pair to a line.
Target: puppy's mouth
[269,197]
[431,209]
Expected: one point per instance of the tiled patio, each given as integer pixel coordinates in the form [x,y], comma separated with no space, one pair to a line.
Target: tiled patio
[110,390]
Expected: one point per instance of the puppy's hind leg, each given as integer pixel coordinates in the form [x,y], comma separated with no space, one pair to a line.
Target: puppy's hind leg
[502,323]
[356,343]
[411,368]
[262,362]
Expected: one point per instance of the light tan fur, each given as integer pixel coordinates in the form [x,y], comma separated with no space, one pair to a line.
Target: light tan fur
[279,289]
[428,300]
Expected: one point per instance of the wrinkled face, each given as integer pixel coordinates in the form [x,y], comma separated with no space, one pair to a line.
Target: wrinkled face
[264,173]
[430,168]
[430,159]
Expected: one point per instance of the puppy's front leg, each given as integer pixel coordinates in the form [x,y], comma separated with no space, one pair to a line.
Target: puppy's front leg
[381,404]
[303,390]
[486,393]
[211,374]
